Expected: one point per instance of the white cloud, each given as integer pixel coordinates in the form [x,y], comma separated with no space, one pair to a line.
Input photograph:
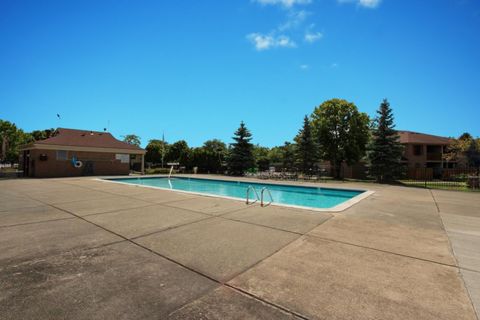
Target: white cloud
[260,41]
[281,35]
[313,36]
[363,3]
[283,3]
[304,66]
[265,42]
[369,3]
[294,19]
[284,41]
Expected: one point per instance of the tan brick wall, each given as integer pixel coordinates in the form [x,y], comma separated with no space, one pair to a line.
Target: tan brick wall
[413,160]
[103,164]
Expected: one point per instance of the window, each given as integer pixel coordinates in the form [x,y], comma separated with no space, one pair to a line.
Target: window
[61,155]
[417,150]
[124,158]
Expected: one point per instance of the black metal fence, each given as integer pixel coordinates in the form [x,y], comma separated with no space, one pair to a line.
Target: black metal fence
[462,179]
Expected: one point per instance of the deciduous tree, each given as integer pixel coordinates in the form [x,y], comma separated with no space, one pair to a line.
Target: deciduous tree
[11,139]
[132,139]
[179,152]
[156,151]
[342,132]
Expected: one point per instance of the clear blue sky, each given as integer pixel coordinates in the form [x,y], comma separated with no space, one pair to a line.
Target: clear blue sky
[195,69]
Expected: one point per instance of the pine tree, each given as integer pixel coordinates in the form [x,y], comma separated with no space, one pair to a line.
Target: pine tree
[241,153]
[305,151]
[385,151]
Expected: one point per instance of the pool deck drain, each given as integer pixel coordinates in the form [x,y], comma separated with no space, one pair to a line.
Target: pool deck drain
[70,248]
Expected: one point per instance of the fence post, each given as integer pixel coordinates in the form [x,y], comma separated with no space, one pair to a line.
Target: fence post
[425,176]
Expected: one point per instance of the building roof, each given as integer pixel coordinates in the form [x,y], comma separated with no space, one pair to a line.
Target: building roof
[85,139]
[422,138]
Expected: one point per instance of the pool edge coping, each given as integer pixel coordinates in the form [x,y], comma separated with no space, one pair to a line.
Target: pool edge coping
[338,208]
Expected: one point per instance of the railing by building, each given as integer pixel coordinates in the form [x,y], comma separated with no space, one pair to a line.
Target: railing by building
[434,156]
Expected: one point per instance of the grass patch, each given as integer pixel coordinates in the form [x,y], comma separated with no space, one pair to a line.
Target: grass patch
[157,171]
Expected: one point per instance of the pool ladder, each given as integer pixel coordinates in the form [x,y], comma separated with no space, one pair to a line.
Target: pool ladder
[251,188]
[262,192]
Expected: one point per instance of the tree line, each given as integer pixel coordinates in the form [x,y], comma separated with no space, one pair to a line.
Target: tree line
[12,138]
[335,132]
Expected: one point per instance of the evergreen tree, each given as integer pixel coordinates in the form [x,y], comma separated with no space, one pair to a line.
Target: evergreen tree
[288,155]
[305,152]
[385,149]
[241,153]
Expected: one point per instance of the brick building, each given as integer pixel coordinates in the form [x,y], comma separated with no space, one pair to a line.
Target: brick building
[424,150]
[80,152]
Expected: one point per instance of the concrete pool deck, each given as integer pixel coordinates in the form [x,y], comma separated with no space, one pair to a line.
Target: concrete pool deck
[80,248]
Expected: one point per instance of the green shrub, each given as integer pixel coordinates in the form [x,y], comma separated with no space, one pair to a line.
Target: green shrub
[157,171]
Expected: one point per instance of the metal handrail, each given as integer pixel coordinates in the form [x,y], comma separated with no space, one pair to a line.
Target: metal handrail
[250,187]
[170,174]
[261,197]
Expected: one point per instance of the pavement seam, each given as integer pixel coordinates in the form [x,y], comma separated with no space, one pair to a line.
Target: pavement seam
[67,202]
[174,201]
[106,192]
[190,268]
[388,252]
[133,196]
[455,257]
[125,239]
[171,228]
[251,295]
[271,227]
[183,305]
[21,208]
[117,210]
[261,260]
[104,245]
[264,226]
[222,216]
[35,222]
[210,214]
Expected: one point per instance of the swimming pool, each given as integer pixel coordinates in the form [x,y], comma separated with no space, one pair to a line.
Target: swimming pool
[288,195]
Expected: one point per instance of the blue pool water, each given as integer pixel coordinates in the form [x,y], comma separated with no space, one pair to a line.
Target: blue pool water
[312,197]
